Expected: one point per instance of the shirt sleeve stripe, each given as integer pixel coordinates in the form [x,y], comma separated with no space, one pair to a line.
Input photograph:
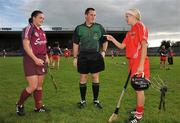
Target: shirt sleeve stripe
[27,30]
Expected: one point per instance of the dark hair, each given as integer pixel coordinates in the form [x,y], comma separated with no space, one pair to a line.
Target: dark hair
[89,9]
[34,14]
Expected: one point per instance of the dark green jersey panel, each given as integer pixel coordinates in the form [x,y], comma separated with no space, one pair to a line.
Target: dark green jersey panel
[89,38]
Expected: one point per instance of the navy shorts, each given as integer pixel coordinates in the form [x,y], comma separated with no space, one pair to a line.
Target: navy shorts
[30,68]
[90,62]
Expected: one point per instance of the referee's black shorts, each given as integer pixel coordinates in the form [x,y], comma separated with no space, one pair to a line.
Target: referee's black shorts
[90,62]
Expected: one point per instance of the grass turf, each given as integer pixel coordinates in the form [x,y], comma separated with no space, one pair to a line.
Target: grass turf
[63,103]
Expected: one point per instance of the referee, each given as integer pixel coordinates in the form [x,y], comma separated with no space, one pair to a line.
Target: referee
[87,39]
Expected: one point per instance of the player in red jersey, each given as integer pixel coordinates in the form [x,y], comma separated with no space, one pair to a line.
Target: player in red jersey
[67,53]
[56,55]
[163,56]
[136,53]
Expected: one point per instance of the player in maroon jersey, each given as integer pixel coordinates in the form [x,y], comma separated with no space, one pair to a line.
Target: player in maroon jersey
[35,59]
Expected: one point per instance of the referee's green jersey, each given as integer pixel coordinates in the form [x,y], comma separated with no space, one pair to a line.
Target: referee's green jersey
[89,38]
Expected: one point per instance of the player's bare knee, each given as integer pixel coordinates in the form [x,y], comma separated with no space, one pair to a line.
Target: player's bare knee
[83,78]
[95,78]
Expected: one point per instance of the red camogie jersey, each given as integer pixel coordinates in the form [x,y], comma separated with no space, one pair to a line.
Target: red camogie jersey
[133,40]
[37,38]
[67,53]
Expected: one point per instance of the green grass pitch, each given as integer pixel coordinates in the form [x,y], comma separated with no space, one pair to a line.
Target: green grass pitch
[63,103]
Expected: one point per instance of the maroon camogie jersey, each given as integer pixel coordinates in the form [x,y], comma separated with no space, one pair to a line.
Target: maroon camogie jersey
[37,38]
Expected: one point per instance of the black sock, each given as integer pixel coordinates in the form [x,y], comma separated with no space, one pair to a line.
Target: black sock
[83,89]
[95,87]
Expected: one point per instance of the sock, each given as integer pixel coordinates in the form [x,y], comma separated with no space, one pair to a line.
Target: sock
[95,88]
[38,98]
[83,89]
[139,112]
[23,97]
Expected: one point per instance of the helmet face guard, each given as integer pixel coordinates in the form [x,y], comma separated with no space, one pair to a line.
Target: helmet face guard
[139,82]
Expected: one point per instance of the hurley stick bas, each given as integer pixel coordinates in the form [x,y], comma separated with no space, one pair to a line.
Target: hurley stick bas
[52,78]
[115,114]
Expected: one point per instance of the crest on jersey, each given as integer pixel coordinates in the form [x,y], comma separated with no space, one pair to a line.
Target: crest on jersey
[36,34]
[95,36]
[133,33]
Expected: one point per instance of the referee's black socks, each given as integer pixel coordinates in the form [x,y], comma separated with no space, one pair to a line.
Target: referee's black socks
[83,88]
[95,88]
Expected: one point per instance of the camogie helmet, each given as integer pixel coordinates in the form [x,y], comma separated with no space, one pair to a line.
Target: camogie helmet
[139,82]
